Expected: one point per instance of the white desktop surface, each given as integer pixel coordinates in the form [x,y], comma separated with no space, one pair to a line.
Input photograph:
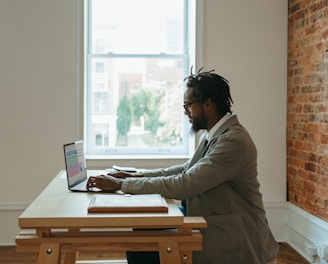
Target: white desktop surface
[57,207]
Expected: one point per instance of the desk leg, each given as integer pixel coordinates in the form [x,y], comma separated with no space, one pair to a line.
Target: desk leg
[49,253]
[70,257]
[186,257]
[169,252]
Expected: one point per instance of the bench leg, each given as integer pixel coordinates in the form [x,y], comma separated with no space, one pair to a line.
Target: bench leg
[70,257]
[169,252]
[49,253]
[186,257]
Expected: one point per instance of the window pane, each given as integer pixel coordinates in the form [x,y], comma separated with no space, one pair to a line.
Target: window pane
[137,26]
[142,105]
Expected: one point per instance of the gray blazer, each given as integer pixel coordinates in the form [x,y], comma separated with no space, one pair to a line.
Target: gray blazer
[222,187]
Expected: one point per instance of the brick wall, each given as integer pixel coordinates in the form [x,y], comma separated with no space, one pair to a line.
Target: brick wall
[307,109]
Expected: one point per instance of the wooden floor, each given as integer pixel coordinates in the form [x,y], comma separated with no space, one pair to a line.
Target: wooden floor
[287,255]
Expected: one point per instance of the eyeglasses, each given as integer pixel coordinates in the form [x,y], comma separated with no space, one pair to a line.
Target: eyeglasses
[187,106]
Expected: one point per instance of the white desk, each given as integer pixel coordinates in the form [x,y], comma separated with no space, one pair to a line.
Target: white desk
[61,224]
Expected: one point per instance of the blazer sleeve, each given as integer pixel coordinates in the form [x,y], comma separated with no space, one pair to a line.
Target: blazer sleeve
[223,162]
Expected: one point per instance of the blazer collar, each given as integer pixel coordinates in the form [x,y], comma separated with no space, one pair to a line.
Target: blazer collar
[231,121]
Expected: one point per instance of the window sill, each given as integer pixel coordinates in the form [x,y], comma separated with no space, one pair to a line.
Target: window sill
[140,161]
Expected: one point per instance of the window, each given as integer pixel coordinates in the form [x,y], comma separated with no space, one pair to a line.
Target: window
[137,55]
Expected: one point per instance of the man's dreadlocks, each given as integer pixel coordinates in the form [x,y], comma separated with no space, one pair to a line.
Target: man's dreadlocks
[210,85]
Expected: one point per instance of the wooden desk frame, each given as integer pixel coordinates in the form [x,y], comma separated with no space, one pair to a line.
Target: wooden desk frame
[174,245]
[57,226]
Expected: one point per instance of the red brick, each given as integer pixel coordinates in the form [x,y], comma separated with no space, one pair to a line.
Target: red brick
[307,98]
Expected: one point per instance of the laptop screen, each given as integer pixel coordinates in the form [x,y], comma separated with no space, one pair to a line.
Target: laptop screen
[75,163]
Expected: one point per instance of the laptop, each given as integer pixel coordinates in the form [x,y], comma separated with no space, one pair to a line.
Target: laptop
[76,167]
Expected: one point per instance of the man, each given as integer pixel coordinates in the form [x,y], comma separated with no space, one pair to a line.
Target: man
[219,182]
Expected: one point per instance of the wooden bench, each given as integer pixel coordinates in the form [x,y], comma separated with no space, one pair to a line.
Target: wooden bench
[174,245]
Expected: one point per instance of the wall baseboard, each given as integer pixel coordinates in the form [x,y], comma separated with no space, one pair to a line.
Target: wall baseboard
[12,207]
[304,228]
[9,229]
[277,213]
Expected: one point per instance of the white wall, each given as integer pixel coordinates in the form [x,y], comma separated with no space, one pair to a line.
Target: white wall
[245,41]
[38,109]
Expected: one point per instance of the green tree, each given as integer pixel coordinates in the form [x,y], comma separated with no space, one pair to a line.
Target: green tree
[139,104]
[152,122]
[123,122]
[146,103]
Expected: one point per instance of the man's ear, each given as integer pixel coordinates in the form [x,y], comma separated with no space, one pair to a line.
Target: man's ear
[208,104]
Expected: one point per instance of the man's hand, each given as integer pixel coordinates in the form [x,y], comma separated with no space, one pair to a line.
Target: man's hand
[105,182]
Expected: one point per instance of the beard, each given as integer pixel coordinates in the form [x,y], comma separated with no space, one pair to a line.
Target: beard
[198,123]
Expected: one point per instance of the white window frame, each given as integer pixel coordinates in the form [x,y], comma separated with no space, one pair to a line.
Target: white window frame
[195,46]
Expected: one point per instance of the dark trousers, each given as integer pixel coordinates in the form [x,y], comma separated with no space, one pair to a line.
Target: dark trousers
[140,257]
[146,257]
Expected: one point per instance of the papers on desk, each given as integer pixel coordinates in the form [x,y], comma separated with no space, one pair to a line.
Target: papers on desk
[116,168]
[126,169]
[127,203]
